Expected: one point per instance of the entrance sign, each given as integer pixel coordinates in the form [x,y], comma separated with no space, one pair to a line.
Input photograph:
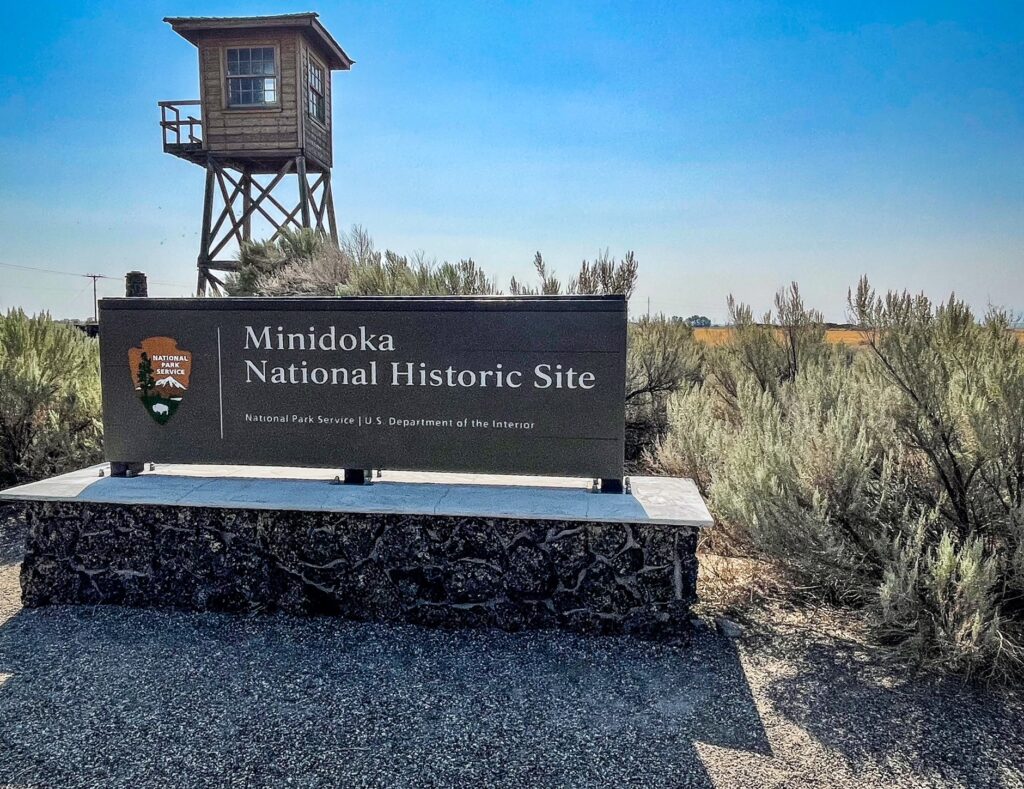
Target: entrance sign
[530,385]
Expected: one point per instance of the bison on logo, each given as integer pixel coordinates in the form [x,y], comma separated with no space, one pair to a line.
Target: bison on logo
[160,374]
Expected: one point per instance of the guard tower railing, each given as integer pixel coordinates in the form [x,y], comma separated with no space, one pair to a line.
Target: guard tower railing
[182,130]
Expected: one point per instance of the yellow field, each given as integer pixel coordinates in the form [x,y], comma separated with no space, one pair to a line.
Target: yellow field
[719,335]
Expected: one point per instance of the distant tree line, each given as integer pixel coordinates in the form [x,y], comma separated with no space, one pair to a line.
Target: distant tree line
[694,321]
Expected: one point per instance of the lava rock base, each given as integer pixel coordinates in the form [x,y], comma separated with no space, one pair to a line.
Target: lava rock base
[437,571]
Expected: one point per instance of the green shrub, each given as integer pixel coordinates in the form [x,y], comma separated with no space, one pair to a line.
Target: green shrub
[396,275]
[939,603]
[890,478]
[49,398]
[294,263]
[696,437]
[662,358]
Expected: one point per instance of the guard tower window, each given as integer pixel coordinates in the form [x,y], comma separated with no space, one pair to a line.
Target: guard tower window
[316,104]
[252,77]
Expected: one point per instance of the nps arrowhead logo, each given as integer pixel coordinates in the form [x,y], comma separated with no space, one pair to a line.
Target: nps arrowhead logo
[160,375]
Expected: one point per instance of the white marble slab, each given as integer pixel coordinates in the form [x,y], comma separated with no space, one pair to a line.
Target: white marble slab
[655,500]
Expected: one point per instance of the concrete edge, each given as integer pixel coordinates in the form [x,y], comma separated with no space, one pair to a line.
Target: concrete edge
[657,497]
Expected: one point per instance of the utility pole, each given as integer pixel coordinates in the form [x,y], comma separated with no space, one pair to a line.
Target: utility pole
[95,303]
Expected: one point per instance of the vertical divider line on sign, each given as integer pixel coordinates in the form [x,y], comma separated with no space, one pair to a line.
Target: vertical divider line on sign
[220,385]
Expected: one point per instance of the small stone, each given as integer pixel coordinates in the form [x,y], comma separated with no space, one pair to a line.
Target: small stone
[728,628]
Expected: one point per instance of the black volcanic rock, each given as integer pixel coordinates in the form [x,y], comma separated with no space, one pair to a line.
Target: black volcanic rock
[438,571]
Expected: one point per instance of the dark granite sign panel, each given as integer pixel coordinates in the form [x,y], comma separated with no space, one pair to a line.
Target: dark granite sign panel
[531,385]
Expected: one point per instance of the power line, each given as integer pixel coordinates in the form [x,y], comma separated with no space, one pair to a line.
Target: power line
[66,303]
[54,271]
[94,277]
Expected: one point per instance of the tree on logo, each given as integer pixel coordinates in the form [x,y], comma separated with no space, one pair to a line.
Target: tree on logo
[145,375]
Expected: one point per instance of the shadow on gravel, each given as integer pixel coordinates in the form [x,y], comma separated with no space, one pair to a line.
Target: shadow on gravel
[130,697]
[949,732]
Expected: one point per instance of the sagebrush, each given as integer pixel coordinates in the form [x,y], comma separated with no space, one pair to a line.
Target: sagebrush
[890,478]
[49,398]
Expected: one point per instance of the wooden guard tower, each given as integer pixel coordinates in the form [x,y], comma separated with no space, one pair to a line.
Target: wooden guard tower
[263,114]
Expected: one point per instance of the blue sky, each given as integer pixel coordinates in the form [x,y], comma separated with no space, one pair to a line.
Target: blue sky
[735,146]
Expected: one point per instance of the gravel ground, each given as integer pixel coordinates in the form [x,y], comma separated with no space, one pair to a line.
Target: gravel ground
[119,697]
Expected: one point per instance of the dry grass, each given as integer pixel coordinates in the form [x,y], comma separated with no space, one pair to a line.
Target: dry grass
[754,593]
[731,584]
[853,337]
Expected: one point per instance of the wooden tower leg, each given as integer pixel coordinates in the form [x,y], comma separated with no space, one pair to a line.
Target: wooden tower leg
[247,204]
[328,202]
[300,169]
[204,242]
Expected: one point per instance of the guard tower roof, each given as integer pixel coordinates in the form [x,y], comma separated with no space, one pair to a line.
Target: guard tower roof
[192,28]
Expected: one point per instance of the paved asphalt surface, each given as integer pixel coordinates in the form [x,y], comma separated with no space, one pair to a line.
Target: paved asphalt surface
[119,697]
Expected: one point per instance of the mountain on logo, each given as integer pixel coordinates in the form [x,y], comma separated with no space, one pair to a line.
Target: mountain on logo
[170,381]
